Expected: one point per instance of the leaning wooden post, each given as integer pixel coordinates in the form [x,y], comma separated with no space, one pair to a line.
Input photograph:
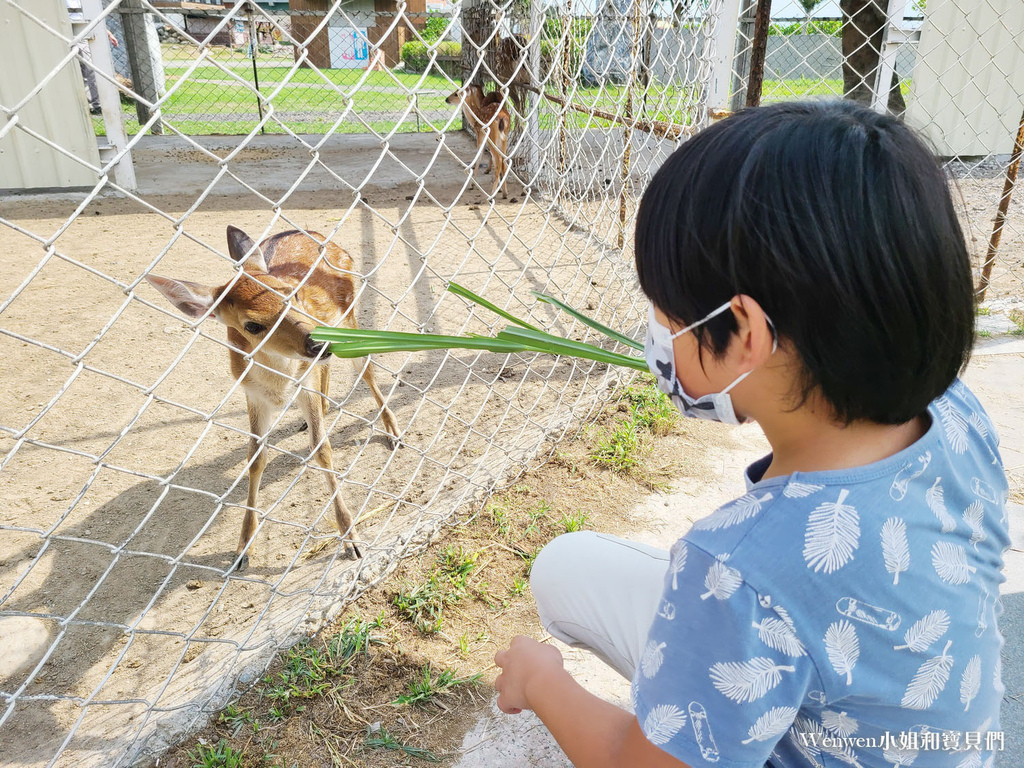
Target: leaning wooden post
[1004,204]
[758,51]
[627,132]
[563,139]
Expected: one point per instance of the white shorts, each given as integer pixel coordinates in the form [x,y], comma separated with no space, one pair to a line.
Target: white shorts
[600,592]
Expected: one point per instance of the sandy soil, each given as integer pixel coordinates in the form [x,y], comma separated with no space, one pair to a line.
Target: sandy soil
[124,447]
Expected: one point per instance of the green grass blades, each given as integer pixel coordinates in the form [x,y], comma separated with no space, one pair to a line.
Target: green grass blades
[609,332]
[350,342]
[465,293]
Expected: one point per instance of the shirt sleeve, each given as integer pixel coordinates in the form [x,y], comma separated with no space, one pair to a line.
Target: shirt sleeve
[723,672]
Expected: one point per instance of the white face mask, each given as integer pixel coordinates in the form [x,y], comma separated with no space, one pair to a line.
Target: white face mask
[659,351]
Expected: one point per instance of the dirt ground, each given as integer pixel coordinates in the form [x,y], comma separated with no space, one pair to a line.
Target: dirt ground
[339,726]
[122,437]
[124,444]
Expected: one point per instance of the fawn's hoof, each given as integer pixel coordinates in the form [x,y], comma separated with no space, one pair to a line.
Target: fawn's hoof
[243,563]
[304,427]
[355,549]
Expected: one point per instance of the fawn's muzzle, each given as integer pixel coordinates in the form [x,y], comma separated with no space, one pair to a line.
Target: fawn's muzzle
[317,349]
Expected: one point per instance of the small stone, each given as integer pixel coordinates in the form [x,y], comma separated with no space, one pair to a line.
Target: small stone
[193,584]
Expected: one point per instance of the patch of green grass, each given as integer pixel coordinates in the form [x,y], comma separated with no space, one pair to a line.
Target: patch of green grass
[574,522]
[427,686]
[1016,317]
[236,719]
[983,311]
[650,408]
[423,604]
[620,450]
[381,739]
[219,756]
[354,639]
[518,586]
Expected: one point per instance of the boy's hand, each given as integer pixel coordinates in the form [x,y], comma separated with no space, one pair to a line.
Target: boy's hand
[525,660]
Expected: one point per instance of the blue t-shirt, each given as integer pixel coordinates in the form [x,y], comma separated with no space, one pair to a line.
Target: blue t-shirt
[841,618]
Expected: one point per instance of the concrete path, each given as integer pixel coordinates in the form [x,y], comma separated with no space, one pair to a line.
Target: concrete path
[996,375]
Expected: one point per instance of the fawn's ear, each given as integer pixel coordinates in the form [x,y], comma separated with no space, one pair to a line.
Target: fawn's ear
[193,299]
[243,249]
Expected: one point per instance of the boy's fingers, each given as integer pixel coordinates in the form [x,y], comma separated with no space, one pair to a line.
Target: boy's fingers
[499,658]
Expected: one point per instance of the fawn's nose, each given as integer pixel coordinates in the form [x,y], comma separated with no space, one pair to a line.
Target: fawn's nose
[316,349]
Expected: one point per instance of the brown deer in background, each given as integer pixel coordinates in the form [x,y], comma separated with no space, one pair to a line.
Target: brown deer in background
[490,122]
[287,363]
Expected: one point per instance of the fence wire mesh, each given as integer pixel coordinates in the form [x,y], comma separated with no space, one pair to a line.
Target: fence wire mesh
[124,438]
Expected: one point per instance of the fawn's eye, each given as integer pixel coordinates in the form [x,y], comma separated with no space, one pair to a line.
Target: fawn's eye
[254,328]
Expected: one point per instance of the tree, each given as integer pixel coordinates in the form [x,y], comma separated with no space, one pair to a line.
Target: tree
[810,5]
[863,29]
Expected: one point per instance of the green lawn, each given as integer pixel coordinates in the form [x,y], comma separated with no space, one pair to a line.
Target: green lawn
[219,97]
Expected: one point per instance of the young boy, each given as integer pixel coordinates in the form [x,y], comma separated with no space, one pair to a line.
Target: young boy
[806,270]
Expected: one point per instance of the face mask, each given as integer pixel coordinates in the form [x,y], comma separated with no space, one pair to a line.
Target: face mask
[659,352]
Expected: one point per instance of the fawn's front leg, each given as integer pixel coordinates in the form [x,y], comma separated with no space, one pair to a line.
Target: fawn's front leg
[259,422]
[320,448]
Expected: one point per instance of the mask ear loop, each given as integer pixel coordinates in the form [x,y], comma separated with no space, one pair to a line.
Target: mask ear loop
[703,320]
[775,346]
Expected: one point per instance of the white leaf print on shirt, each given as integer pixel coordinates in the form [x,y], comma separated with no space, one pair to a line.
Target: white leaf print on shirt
[979,424]
[955,425]
[771,724]
[663,722]
[970,682]
[721,580]
[795,490]
[900,756]
[950,562]
[833,533]
[839,723]
[997,676]
[982,612]
[806,735]
[935,499]
[748,680]
[815,741]
[652,659]
[895,552]
[911,471]
[843,648]
[929,682]
[925,631]
[678,561]
[778,635]
[974,516]
[734,513]
[973,760]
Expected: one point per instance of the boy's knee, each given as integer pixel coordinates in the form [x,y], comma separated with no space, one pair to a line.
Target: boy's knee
[559,564]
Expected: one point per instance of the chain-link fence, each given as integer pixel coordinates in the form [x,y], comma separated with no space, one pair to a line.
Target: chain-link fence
[953,70]
[124,434]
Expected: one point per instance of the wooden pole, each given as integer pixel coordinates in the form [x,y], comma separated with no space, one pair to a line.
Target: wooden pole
[627,133]
[1004,204]
[758,50]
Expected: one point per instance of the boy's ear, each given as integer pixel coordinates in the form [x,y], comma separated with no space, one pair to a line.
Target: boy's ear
[240,245]
[755,329]
[193,299]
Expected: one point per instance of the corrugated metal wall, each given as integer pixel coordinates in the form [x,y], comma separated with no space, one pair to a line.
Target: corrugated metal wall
[968,85]
[58,112]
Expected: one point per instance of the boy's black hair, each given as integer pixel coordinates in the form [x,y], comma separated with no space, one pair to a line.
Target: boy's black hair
[839,222]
